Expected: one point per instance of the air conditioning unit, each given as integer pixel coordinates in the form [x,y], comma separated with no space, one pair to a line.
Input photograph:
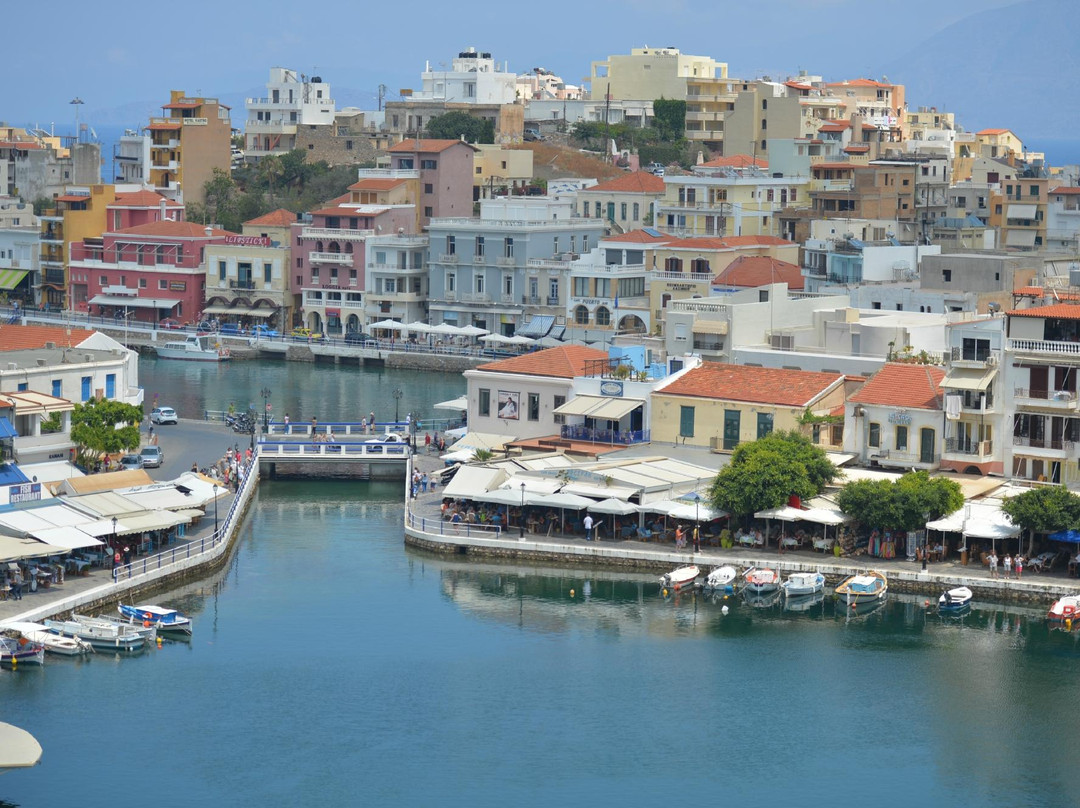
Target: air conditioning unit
[991,359]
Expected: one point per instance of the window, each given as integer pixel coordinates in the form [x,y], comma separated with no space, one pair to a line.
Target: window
[508,284]
[553,291]
[221,270]
[508,248]
[451,282]
[534,406]
[581,315]
[110,385]
[348,145]
[764,424]
[56,388]
[428,165]
[478,284]
[622,211]
[631,287]
[584,243]
[142,283]
[946,275]
[581,287]
[85,388]
[268,271]
[479,246]
[901,438]
[686,422]
[555,246]
[976,350]
[24,386]
[557,402]
[429,211]
[637,211]
[162,285]
[104,280]
[875,436]
[603,316]
[484,405]
[599,211]
[429,188]
[451,245]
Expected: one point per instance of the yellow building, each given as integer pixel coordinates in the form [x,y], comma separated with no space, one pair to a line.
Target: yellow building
[999,144]
[187,144]
[1018,211]
[496,167]
[880,105]
[650,73]
[739,204]
[625,202]
[720,406]
[79,214]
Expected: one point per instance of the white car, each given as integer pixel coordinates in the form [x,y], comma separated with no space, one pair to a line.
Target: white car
[163,415]
[390,437]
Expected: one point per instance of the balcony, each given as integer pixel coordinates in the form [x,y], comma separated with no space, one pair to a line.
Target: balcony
[624,437]
[505,261]
[474,297]
[345,259]
[1044,447]
[1045,399]
[891,457]
[448,258]
[980,449]
[171,165]
[505,298]
[388,173]
[335,232]
[55,276]
[553,301]
[1041,346]
[398,297]
[248,285]
[680,276]
[973,360]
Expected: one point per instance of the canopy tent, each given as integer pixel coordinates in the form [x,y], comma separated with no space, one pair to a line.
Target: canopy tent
[506,496]
[785,514]
[599,490]
[13,549]
[697,512]
[533,485]
[388,325]
[825,516]
[446,329]
[418,328]
[456,404]
[497,338]
[659,506]
[571,501]
[133,302]
[70,538]
[981,529]
[982,520]
[1070,536]
[149,520]
[518,339]
[616,507]
[472,481]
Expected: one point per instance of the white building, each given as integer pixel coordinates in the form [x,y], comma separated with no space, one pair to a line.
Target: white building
[292,100]
[473,78]
[396,279]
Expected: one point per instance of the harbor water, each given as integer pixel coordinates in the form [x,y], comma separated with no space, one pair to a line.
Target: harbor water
[330,665]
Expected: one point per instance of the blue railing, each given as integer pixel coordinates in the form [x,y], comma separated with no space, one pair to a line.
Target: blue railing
[622,436]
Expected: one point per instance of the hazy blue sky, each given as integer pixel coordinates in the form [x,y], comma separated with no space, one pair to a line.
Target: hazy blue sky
[117,54]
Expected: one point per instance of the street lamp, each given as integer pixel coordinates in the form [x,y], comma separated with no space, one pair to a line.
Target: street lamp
[397,394]
[521,515]
[251,412]
[265,393]
[216,495]
[114,542]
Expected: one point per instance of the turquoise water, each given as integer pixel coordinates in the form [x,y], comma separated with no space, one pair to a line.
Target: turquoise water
[331,666]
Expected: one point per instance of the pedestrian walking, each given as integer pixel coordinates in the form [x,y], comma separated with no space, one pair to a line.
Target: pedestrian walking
[1019,564]
[127,555]
[16,586]
[697,539]
[286,423]
[1007,565]
[363,425]
[588,527]
[427,441]
[150,438]
[423,482]
[680,537]
[371,422]
[992,560]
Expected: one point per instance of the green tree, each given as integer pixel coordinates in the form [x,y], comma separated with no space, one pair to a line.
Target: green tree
[1045,509]
[903,504]
[220,207]
[669,116]
[763,474]
[453,125]
[104,426]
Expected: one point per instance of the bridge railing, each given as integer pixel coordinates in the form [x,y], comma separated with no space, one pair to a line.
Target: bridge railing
[337,428]
[346,450]
[437,525]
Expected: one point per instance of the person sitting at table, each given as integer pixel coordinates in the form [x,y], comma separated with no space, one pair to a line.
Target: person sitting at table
[456,518]
[759,539]
[739,536]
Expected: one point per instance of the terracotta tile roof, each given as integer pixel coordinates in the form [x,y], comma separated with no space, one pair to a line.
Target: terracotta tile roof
[172,229]
[275,218]
[425,145]
[857,148]
[374,184]
[760,270]
[142,199]
[342,209]
[182,105]
[166,125]
[639,237]
[698,243]
[21,337]
[904,386]
[757,241]
[1038,291]
[797,86]
[992,132]
[1058,311]
[73,198]
[736,161]
[566,362]
[858,83]
[18,144]
[1061,189]
[852,166]
[784,388]
[638,182]
[834,126]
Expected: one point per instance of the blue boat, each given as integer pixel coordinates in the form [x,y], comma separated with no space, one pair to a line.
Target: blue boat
[954,600]
[158,616]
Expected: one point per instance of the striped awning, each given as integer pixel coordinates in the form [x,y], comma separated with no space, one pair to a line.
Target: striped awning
[10,278]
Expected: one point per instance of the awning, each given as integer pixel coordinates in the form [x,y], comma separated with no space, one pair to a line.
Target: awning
[216,310]
[482,440]
[189,513]
[150,520]
[6,429]
[1021,212]
[66,536]
[472,480]
[968,379]
[1020,238]
[460,403]
[262,312]
[12,549]
[602,491]
[537,327]
[10,278]
[164,498]
[710,327]
[133,302]
[603,407]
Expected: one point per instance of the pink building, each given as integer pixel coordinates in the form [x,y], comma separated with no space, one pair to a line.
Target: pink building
[446,175]
[148,272]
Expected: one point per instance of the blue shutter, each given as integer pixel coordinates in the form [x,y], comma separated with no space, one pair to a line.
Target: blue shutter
[85,388]
[110,385]
[56,388]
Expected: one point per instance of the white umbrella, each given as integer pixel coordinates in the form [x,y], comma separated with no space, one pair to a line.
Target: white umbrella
[419,328]
[460,403]
[493,338]
[784,514]
[699,513]
[471,331]
[505,496]
[572,501]
[389,325]
[445,328]
[616,507]
[519,340]
[549,342]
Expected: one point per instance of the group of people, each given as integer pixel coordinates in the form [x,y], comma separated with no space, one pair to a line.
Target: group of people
[420,483]
[1008,564]
[457,511]
[434,443]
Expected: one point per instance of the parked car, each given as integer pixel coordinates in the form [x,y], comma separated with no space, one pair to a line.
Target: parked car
[358,338]
[131,462]
[152,456]
[307,335]
[163,415]
[231,330]
[390,437]
[532,134]
[169,324]
[262,330]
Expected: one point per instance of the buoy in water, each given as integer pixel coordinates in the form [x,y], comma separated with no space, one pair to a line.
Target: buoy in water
[159,642]
[853,606]
[571,593]
[724,609]
[926,604]
[664,592]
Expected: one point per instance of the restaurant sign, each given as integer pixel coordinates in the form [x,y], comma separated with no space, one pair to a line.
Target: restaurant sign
[611,389]
[900,417]
[27,492]
[248,241]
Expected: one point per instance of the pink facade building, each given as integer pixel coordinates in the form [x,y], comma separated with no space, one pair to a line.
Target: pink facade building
[149,270]
[446,175]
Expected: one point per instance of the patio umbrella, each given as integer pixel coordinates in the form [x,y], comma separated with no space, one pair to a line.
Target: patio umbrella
[519,340]
[388,325]
[419,328]
[616,507]
[499,338]
[505,496]
[562,502]
[695,512]
[471,331]
[445,329]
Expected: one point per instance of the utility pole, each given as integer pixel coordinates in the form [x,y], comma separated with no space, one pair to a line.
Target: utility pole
[382,95]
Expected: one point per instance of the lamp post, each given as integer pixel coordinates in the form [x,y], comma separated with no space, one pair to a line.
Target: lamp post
[216,494]
[265,393]
[114,542]
[251,411]
[521,515]
[925,541]
[397,394]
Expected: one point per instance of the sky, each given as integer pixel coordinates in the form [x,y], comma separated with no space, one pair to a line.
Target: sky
[122,60]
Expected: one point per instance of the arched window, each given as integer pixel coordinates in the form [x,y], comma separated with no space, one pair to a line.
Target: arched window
[603,316]
[348,248]
[335,247]
[673,265]
[700,265]
[318,246]
[581,315]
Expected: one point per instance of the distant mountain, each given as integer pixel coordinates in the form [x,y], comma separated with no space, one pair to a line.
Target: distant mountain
[1013,67]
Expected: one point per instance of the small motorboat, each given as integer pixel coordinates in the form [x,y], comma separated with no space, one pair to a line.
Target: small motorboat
[721,578]
[21,651]
[761,580]
[680,578]
[100,634]
[954,600]
[158,616]
[1066,608]
[147,632]
[863,588]
[54,643]
[800,584]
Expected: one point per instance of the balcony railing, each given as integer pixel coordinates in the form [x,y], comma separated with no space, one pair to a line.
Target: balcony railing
[1044,346]
[984,448]
[893,456]
[474,297]
[1055,445]
[553,301]
[335,232]
[504,261]
[1057,399]
[250,285]
[681,276]
[331,258]
[620,436]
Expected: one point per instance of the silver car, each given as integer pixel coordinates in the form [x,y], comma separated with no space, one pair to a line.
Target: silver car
[152,457]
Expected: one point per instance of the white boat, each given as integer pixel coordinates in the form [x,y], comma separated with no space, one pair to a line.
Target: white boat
[761,580]
[195,348]
[101,636]
[953,600]
[21,651]
[1066,608]
[721,577]
[54,643]
[799,584]
[147,632]
[865,588]
[160,617]
[680,578]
